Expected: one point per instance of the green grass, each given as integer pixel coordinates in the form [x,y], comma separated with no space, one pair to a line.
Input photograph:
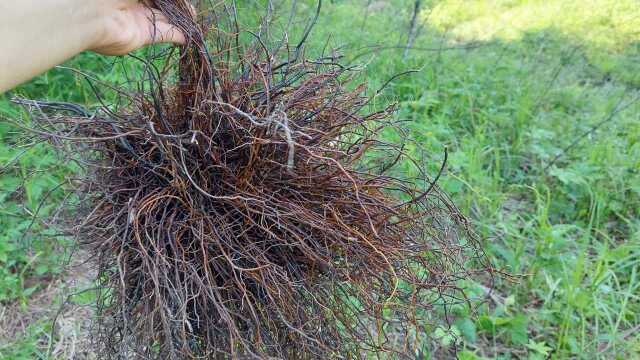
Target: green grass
[539,74]
[605,24]
[31,190]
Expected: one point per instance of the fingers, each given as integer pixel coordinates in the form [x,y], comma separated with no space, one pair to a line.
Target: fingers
[161,31]
[134,26]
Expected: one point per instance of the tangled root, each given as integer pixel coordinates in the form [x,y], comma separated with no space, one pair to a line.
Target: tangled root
[243,207]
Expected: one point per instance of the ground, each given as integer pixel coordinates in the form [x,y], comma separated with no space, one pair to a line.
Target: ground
[537,103]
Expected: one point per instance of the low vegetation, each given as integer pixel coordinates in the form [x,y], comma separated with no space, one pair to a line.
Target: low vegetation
[537,103]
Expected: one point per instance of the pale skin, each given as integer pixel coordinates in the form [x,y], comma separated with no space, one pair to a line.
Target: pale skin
[36,35]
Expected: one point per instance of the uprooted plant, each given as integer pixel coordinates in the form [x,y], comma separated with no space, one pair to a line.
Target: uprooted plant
[242,204]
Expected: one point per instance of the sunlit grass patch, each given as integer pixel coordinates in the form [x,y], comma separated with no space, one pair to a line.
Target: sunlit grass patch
[605,24]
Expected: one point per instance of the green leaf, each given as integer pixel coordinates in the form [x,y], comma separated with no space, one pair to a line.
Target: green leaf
[468,329]
[35,188]
[539,347]
[519,329]
[499,321]
[485,323]
[41,269]
[509,301]
[467,355]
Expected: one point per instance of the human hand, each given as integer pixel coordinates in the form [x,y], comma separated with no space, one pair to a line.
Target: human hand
[36,35]
[129,25]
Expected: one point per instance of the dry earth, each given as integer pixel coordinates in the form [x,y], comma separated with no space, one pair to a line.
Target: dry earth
[56,304]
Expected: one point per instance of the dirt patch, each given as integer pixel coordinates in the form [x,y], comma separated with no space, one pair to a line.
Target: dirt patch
[58,303]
